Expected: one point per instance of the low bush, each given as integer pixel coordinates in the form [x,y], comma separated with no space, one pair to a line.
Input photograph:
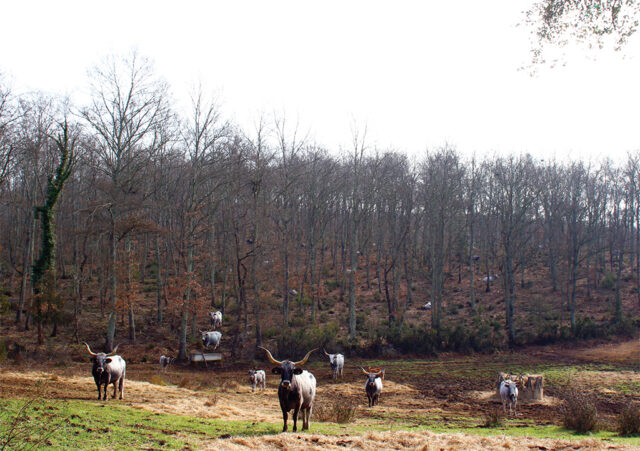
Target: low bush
[608,281]
[414,339]
[587,328]
[340,411]
[579,412]
[629,420]
[493,419]
[156,379]
[295,344]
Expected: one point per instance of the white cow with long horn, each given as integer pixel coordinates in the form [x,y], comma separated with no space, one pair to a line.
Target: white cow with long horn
[297,389]
[108,369]
[337,364]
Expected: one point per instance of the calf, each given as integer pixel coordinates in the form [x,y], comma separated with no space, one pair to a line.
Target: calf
[373,386]
[257,378]
[216,319]
[509,395]
[108,369]
[337,364]
[296,391]
[211,338]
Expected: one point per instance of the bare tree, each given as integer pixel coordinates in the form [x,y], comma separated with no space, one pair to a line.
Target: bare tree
[514,199]
[128,110]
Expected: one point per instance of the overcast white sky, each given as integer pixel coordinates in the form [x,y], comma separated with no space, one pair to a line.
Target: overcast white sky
[418,73]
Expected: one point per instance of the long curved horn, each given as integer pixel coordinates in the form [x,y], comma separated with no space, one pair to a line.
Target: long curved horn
[325,353]
[89,349]
[270,357]
[364,371]
[306,357]
[380,373]
[114,350]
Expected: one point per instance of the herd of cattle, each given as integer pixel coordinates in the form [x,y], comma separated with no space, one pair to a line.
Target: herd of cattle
[297,388]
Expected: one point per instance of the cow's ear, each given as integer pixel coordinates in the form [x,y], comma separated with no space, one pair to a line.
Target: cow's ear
[107,360]
[298,371]
[277,370]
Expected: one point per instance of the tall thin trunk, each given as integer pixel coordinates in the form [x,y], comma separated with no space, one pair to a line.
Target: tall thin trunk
[113,281]
[158,281]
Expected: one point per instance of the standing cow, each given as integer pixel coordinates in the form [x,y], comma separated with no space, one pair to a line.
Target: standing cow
[296,391]
[164,362]
[211,338]
[509,395]
[337,364]
[373,386]
[108,369]
[257,378]
[216,319]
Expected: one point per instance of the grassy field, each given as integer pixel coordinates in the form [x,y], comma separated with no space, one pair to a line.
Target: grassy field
[47,404]
[93,425]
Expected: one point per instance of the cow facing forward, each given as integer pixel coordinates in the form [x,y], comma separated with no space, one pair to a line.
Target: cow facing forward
[337,364]
[373,386]
[509,395]
[108,369]
[211,338]
[296,391]
[257,378]
[216,319]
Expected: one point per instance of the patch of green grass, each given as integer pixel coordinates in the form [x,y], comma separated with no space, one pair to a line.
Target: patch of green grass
[84,425]
[97,425]
[628,388]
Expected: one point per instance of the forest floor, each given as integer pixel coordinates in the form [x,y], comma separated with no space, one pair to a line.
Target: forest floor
[431,403]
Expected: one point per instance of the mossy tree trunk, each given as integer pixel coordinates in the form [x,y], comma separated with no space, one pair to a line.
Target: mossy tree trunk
[44,278]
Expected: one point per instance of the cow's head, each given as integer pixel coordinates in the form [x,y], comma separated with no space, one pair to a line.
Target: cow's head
[332,359]
[512,390]
[286,368]
[100,359]
[371,376]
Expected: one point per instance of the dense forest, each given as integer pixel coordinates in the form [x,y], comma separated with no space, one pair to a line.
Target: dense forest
[126,214]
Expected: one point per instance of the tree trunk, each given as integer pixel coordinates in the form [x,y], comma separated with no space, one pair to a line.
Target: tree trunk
[158,281]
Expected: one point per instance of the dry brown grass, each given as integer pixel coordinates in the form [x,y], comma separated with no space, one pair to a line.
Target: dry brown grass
[613,353]
[156,379]
[339,411]
[401,440]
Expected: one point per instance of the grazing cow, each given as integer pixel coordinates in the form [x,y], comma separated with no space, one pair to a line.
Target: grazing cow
[257,378]
[296,391]
[373,386]
[427,306]
[216,319]
[211,338]
[337,364]
[491,278]
[165,361]
[509,395]
[108,369]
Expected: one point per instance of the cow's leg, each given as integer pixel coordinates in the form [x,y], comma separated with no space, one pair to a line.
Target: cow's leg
[369,398]
[98,384]
[285,416]
[121,384]
[104,392]
[295,418]
[305,419]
